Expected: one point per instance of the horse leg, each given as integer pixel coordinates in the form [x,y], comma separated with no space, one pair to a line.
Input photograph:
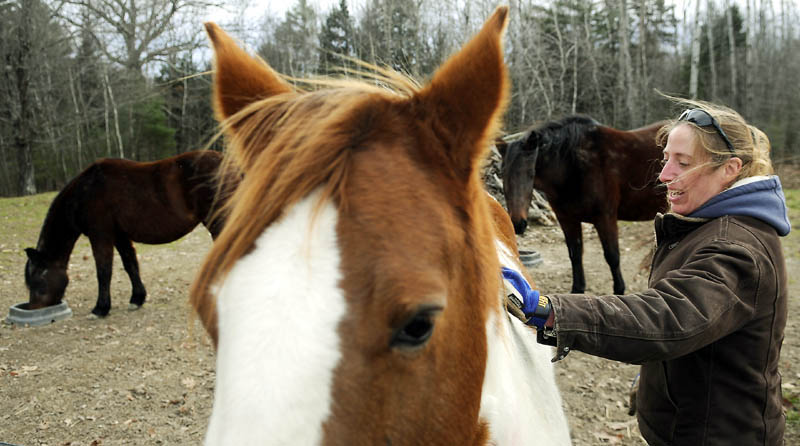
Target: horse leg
[609,237]
[103,252]
[128,254]
[574,238]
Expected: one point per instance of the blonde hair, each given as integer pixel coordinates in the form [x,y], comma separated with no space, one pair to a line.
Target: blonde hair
[750,144]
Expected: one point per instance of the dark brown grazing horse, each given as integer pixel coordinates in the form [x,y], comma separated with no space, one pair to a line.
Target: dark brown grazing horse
[115,202]
[590,173]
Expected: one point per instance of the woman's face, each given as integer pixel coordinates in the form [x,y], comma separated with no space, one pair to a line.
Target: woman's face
[689,182]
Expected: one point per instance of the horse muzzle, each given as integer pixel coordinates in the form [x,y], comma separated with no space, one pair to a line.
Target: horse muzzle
[520,226]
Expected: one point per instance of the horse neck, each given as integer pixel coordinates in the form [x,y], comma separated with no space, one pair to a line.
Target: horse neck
[520,399]
[58,235]
[549,166]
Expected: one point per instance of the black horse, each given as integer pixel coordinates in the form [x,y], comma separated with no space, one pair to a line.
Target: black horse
[115,202]
[589,173]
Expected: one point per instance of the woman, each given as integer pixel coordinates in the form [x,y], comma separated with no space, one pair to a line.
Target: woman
[709,329]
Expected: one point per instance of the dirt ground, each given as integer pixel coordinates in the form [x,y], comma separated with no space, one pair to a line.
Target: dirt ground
[147,377]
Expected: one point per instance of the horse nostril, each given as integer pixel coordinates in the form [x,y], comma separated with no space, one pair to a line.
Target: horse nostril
[520,225]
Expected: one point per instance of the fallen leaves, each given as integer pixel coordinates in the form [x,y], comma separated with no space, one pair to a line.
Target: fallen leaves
[188,382]
[24,370]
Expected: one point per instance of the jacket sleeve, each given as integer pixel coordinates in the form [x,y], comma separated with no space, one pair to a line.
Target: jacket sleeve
[713,294]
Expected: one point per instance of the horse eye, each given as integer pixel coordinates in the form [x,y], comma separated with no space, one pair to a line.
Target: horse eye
[415,332]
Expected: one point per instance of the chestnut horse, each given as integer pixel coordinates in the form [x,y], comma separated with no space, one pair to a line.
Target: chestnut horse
[115,202]
[589,173]
[355,295]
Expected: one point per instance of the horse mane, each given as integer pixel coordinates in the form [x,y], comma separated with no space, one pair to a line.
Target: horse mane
[57,226]
[292,158]
[557,140]
[561,138]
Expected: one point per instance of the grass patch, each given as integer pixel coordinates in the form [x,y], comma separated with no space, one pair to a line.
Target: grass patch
[792,404]
[793,200]
[21,219]
[791,243]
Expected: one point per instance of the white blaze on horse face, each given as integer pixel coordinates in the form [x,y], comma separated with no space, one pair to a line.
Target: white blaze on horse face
[278,313]
[520,400]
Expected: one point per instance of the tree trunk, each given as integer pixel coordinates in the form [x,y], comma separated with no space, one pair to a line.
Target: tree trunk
[711,53]
[576,46]
[182,124]
[116,114]
[616,96]
[786,37]
[22,122]
[6,188]
[695,63]
[644,73]
[105,117]
[78,138]
[749,62]
[626,85]
[732,52]
[590,52]
[562,56]
[134,150]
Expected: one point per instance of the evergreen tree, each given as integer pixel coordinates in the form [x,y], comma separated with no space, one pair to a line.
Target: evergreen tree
[297,35]
[389,35]
[336,38]
[152,138]
[187,103]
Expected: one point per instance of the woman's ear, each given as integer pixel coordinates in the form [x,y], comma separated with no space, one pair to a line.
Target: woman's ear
[732,168]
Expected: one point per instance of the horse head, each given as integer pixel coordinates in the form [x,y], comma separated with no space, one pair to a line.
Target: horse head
[349,294]
[519,172]
[46,280]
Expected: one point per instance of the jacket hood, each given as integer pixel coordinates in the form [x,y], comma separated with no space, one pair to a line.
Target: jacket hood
[759,197]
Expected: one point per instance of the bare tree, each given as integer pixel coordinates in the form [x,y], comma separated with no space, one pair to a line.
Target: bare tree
[132,32]
[749,61]
[115,110]
[137,35]
[22,120]
[695,58]
[591,54]
[644,74]
[31,43]
[732,51]
[711,51]
[626,83]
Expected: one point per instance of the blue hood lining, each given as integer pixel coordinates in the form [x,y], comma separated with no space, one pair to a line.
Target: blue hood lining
[762,199]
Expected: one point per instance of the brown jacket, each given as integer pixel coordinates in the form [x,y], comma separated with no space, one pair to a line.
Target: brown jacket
[708,332]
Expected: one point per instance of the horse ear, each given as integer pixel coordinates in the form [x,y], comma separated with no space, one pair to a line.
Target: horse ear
[531,141]
[240,79]
[33,255]
[469,93]
[501,146]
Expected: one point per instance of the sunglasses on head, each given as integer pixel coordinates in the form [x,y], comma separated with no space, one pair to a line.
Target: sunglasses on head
[703,119]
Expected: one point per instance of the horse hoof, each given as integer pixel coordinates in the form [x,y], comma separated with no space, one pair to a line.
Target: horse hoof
[133,307]
[92,316]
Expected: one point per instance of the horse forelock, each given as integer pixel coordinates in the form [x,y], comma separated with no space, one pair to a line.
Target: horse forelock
[297,143]
[562,139]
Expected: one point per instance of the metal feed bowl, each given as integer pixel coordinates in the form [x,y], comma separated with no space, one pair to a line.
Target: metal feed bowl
[530,258]
[19,314]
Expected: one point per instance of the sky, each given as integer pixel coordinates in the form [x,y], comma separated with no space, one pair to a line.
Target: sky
[257,8]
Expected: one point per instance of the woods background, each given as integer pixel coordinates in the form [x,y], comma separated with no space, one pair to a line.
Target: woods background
[84,79]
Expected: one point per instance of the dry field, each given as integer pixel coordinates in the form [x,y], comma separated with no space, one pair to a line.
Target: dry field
[147,377]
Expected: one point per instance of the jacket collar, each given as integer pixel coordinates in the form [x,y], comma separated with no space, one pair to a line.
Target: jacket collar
[671,226]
